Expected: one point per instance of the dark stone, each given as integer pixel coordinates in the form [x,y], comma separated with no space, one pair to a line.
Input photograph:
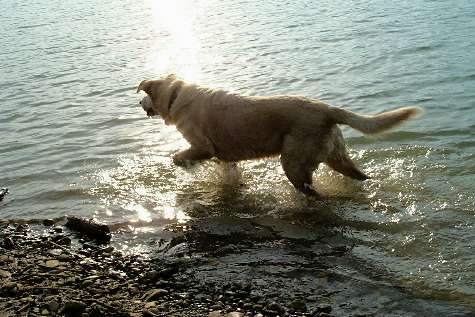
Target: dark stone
[275,307]
[48,222]
[22,228]
[9,244]
[74,308]
[168,272]
[88,245]
[325,309]
[9,288]
[108,249]
[151,275]
[53,305]
[299,305]
[97,311]
[61,239]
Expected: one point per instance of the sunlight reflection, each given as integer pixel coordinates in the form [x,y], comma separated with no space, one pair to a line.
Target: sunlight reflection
[177,50]
[142,213]
[170,212]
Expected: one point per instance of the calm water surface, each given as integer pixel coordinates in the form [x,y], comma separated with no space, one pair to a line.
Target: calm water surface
[74,140]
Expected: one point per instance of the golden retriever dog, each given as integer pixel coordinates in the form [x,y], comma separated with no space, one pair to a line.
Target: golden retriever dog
[231,127]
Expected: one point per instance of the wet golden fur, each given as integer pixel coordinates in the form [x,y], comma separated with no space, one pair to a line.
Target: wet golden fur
[231,127]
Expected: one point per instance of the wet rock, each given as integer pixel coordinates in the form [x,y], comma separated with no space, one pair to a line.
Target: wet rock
[63,257]
[215,313]
[235,314]
[52,263]
[150,305]
[61,239]
[87,283]
[97,311]
[155,294]
[257,307]
[230,294]
[28,299]
[107,250]
[87,262]
[9,288]
[299,305]
[5,274]
[48,222]
[53,305]
[168,272]
[6,258]
[275,307]
[87,245]
[216,307]
[58,229]
[322,309]
[151,275]
[22,228]
[74,308]
[9,244]
[55,252]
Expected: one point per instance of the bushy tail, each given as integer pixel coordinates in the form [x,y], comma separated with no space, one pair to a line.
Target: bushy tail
[375,123]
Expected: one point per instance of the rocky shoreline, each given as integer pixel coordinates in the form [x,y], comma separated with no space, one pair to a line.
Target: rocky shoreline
[42,274]
[215,267]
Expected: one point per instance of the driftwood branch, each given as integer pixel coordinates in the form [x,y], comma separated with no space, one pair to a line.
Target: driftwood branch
[89,228]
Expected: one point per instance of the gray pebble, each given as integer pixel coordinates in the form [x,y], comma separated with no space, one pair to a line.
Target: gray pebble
[53,305]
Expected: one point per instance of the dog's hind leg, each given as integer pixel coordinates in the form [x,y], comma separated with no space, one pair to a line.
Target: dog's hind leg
[299,166]
[339,160]
[345,166]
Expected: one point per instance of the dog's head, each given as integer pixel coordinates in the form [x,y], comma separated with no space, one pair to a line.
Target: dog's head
[161,95]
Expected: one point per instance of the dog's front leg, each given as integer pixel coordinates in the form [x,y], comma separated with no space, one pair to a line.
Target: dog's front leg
[190,156]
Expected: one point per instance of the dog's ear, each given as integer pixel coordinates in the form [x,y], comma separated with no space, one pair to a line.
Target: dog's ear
[171,76]
[146,85]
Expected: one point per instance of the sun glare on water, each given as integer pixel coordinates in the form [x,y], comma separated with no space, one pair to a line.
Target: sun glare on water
[175,45]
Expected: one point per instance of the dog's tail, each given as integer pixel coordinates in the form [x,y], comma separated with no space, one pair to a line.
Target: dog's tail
[375,123]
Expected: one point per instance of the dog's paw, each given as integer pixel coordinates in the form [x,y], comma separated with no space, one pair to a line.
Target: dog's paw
[180,161]
[309,191]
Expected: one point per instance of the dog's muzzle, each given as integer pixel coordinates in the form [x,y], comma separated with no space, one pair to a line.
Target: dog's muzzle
[146,104]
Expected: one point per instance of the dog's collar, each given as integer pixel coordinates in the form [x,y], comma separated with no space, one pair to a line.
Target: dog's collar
[173,97]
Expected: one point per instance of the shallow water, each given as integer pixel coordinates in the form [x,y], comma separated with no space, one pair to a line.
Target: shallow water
[74,140]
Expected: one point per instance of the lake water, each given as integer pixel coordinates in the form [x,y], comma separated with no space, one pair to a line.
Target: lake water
[75,141]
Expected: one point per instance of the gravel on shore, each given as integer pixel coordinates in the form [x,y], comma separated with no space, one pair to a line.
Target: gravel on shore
[43,274]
